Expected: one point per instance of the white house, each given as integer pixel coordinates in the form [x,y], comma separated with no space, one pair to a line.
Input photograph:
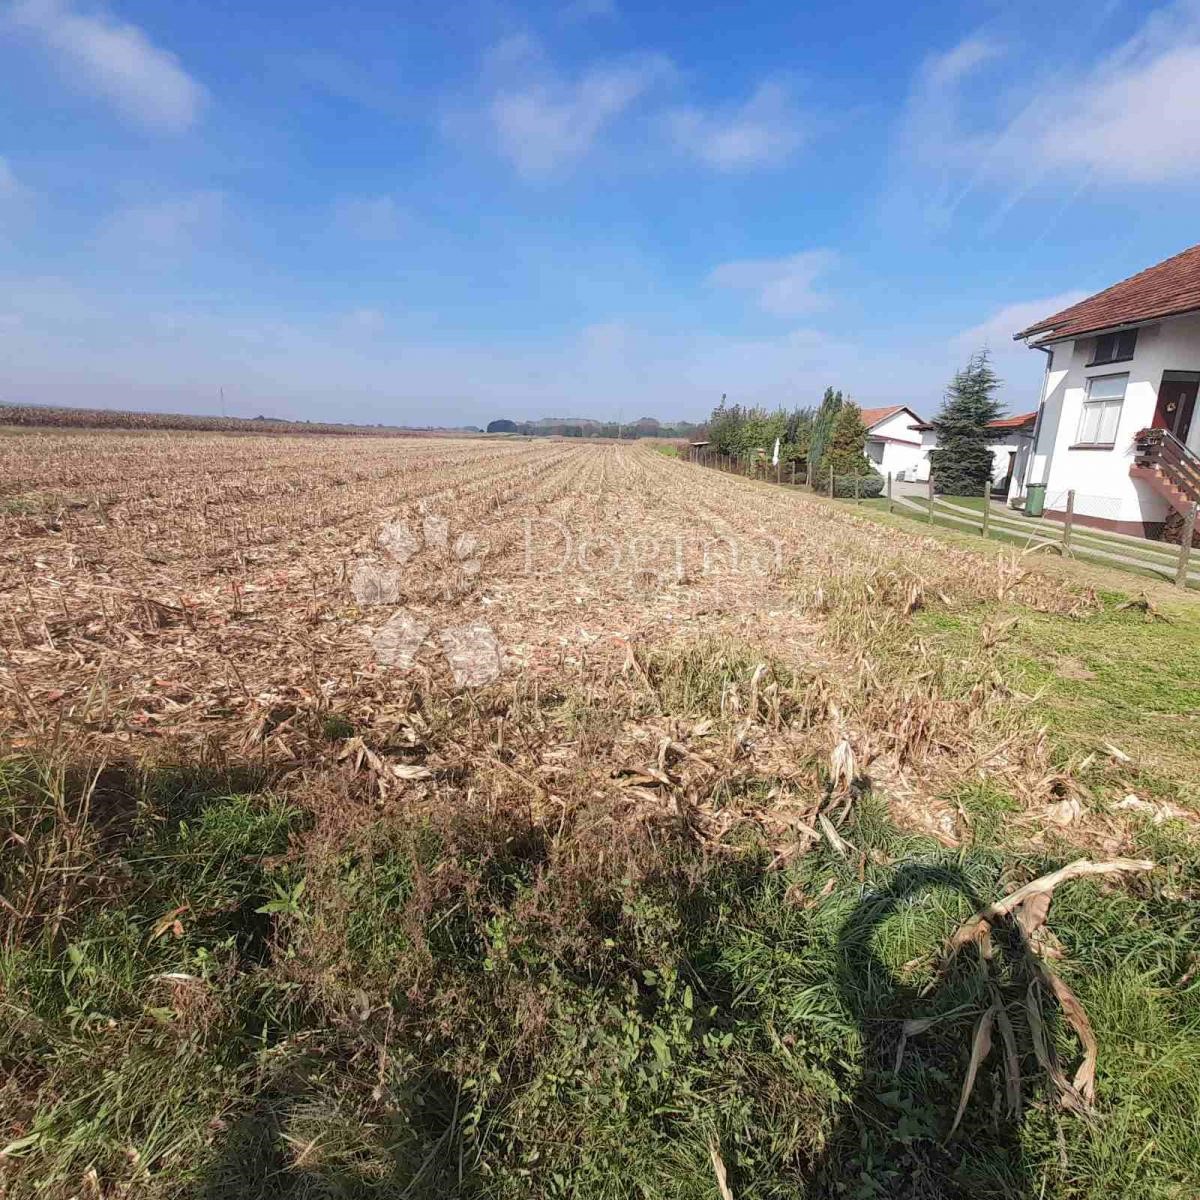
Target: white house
[1115,425]
[892,443]
[1010,447]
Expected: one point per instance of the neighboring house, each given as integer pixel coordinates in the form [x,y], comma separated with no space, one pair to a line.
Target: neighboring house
[1117,420]
[1010,447]
[891,442]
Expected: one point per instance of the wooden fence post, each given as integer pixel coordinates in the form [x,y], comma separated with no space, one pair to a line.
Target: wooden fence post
[891,505]
[793,472]
[808,471]
[831,482]
[1185,545]
[1067,522]
[931,499]
[987,504]
[857,490]
[778,469]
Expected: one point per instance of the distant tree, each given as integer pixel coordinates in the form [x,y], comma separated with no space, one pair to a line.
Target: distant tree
[962,461]
[502,426]
[845,454]
[797,435]
[822,428]
[725,426]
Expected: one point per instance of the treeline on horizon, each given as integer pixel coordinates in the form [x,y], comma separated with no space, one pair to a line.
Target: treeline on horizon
[583,427]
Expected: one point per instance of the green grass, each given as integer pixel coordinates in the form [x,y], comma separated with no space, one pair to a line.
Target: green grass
[1113,677]
[457,1007]
[906,518]
[212,989]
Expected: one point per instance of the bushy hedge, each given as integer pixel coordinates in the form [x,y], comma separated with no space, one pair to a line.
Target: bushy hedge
[869,486]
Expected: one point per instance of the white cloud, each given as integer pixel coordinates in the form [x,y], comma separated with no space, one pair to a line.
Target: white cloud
[372,218]
[764,131]
[67,343]
[997,330]
[547,124]
[783,287]
[165,229]
[1137,122]
[1132,116]
[114,60]
[948,68]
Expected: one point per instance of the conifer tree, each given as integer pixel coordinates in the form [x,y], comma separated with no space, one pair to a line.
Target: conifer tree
[962,461]
[822,428]
[846,452]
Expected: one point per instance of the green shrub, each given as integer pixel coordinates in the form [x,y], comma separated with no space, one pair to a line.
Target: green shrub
[869,486]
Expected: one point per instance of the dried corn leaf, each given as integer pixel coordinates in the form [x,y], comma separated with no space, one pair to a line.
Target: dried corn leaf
[718,1165]
[1044,885]
[910,1029]
[1085,1077]
[839,844]
[1043,1049]
[1012,1060]
[981,1045]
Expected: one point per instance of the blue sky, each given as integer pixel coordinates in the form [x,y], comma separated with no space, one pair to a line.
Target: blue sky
[445,214]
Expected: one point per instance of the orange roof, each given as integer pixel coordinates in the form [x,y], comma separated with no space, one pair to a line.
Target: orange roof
[872,416]
[1165,290]
[1014,422]
[1017,422]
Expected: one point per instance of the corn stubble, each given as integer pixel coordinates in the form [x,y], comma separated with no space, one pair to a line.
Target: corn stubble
[734,670]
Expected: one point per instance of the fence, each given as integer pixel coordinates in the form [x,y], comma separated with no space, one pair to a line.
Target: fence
[1068,530]
[781,473]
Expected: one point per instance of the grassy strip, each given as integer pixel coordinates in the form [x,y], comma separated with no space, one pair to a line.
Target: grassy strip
[943,521]
[1114,679]
[463,1006]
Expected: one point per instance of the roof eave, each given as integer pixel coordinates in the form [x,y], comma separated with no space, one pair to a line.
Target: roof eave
[1036,335]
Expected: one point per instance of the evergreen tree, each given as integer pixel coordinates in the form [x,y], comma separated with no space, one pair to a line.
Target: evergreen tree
[822,427]
[724,427]
[962,461]
[845,454]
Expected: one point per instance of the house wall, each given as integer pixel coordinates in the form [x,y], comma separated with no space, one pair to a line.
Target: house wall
[899,456]
[1104,492]
[928,442]
[1000,451]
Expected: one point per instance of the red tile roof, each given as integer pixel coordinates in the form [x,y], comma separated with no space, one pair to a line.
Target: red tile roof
[872,416]
[1016,422]
[1165,290]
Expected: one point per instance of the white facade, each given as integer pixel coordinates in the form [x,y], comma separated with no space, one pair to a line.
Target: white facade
[1011,448]
[1099,475]
[893,445]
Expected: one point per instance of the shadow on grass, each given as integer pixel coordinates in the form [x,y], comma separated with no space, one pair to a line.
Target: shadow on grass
[893,1139]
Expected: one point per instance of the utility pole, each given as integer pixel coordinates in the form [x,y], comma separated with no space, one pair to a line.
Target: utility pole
[222,402]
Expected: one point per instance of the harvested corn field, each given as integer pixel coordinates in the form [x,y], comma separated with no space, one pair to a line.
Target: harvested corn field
[437,817]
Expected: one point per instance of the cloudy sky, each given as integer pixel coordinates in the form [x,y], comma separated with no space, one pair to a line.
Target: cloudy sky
[448,213]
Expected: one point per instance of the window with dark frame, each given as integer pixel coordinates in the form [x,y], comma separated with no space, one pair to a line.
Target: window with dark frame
[1114,347]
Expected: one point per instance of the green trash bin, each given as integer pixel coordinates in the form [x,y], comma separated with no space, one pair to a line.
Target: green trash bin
[1035,500]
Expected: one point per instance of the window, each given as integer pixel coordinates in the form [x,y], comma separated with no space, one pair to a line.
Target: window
[1102,410]
[875,451]
[1114,347]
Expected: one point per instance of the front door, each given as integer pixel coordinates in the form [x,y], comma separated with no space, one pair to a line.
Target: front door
[1176,404]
